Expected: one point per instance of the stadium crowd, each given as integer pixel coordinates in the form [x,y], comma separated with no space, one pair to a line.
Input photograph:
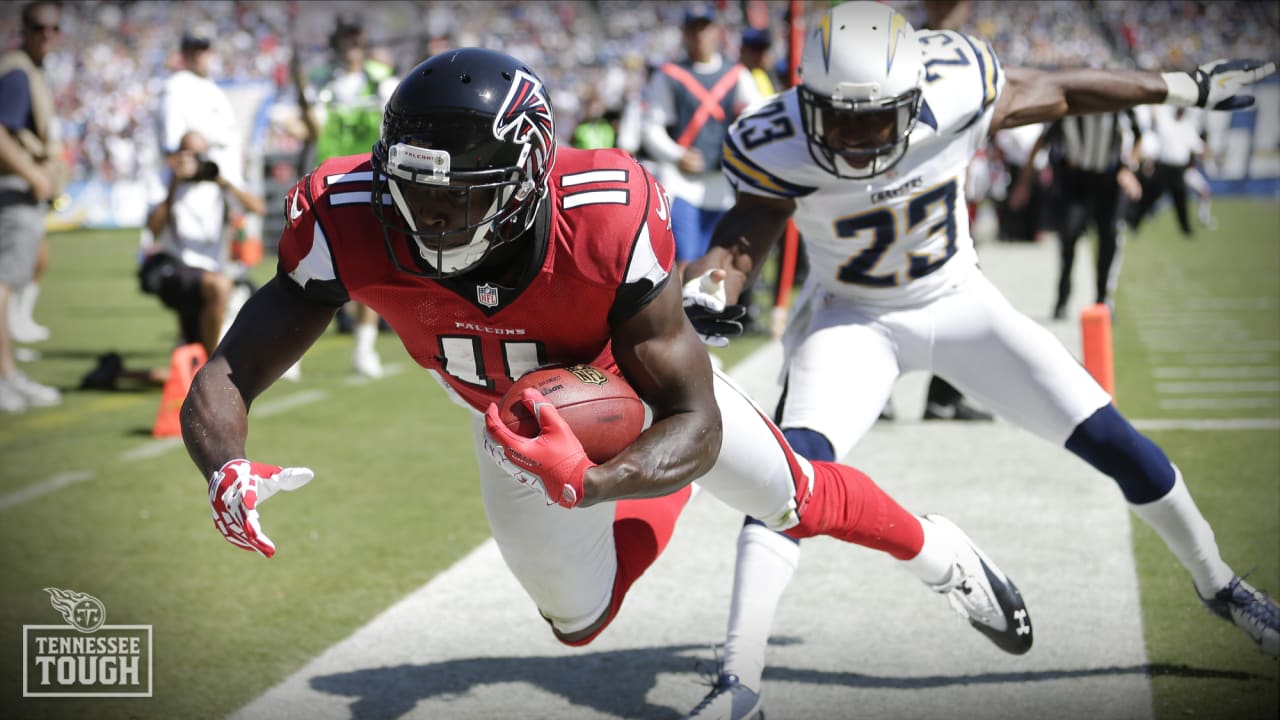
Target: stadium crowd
[115,55]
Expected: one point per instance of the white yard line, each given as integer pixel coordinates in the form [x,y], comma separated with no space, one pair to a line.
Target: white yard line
[1234,372]
[44,487]
[1209,425]
[150,449]
[1217,387]
[288,402]
[1207,403]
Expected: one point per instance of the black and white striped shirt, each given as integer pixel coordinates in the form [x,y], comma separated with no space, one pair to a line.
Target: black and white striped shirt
[1096,142]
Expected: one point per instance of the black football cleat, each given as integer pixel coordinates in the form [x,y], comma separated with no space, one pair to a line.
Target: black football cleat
[982,594]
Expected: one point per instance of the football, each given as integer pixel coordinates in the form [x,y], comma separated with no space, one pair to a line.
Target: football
[603,410]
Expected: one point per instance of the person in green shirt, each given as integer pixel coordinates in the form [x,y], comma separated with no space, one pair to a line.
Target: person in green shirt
[345,118]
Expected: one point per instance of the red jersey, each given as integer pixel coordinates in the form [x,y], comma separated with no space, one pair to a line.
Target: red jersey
[608,252]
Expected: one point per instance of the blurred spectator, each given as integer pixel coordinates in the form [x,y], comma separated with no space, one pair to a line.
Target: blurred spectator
[187,267]
[31,172]
[690,106]
[192,101]
[1178,145]
[117,54]
[1198,183]
[346,119]
[1019,210]
[754,55]
[598,128]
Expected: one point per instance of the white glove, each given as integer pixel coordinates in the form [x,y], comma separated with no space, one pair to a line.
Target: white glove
[1216,85]
[236,490]
[707,307]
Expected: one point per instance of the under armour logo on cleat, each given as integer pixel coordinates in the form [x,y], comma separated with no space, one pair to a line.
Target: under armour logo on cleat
[1024,622]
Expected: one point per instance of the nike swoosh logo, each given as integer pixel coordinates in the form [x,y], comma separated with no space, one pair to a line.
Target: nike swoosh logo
[662,203]
[295,212]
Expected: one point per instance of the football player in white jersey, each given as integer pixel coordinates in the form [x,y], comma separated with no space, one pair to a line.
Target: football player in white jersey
[868,156]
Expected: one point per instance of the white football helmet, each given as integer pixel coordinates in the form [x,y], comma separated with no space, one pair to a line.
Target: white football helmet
[860,88]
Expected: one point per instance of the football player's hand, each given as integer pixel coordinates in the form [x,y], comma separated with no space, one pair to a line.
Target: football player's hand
[1216,85]
[235,492]
[553,463]
[706,304]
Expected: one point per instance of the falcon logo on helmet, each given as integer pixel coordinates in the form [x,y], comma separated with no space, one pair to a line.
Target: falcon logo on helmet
[525,113]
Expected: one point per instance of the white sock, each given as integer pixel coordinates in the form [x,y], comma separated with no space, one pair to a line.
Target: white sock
[366,335]
[1178,521]
[22,302]
[27,300]
[766,562]
[933,564]
[1206,217]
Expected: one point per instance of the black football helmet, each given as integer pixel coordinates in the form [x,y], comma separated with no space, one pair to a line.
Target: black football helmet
[467,144]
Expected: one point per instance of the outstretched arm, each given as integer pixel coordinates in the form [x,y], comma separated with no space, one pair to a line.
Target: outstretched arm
[272,331]
[742,239]
[1032,96]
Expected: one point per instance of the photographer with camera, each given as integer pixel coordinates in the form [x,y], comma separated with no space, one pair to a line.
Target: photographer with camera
[187,263]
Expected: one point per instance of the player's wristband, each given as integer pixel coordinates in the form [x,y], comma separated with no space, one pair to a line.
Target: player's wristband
[1184,91]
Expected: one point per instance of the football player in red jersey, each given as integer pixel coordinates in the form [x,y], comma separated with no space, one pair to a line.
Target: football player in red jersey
[491,252]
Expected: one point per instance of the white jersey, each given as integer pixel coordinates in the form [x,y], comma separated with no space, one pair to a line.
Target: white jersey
[900,238]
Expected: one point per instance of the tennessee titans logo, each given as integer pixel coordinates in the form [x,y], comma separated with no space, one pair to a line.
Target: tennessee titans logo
[525,114]
[82,611]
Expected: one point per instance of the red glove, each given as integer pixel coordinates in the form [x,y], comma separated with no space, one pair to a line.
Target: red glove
[236,490]
[554,462]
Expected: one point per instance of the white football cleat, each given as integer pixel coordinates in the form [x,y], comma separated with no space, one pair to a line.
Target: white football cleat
[18,387]
[982,594]
[728,700]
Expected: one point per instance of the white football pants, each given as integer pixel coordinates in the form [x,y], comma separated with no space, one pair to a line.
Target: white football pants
[843,359]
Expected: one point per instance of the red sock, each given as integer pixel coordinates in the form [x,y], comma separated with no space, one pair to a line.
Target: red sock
[849,506]
[641,531]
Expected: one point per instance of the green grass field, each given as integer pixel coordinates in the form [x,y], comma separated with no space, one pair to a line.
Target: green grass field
[1209,302]
[394,501]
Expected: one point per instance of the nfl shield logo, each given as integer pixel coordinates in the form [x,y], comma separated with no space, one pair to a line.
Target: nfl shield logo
[487,295]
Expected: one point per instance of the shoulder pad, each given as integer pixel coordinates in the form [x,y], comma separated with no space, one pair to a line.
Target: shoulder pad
[766,153]
[963,78]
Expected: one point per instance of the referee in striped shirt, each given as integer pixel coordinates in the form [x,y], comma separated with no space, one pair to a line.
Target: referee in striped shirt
[1094,156]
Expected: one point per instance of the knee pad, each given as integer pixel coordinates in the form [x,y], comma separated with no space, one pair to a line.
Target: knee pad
[810,444]
[1111,444]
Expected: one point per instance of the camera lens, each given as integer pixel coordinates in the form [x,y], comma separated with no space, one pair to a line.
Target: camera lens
[207,170]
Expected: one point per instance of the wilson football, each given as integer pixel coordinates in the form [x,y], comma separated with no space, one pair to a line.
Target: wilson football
[603,410]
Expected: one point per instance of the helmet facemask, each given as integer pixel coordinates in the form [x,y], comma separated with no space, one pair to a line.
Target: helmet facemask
[821,114]
[453,219]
